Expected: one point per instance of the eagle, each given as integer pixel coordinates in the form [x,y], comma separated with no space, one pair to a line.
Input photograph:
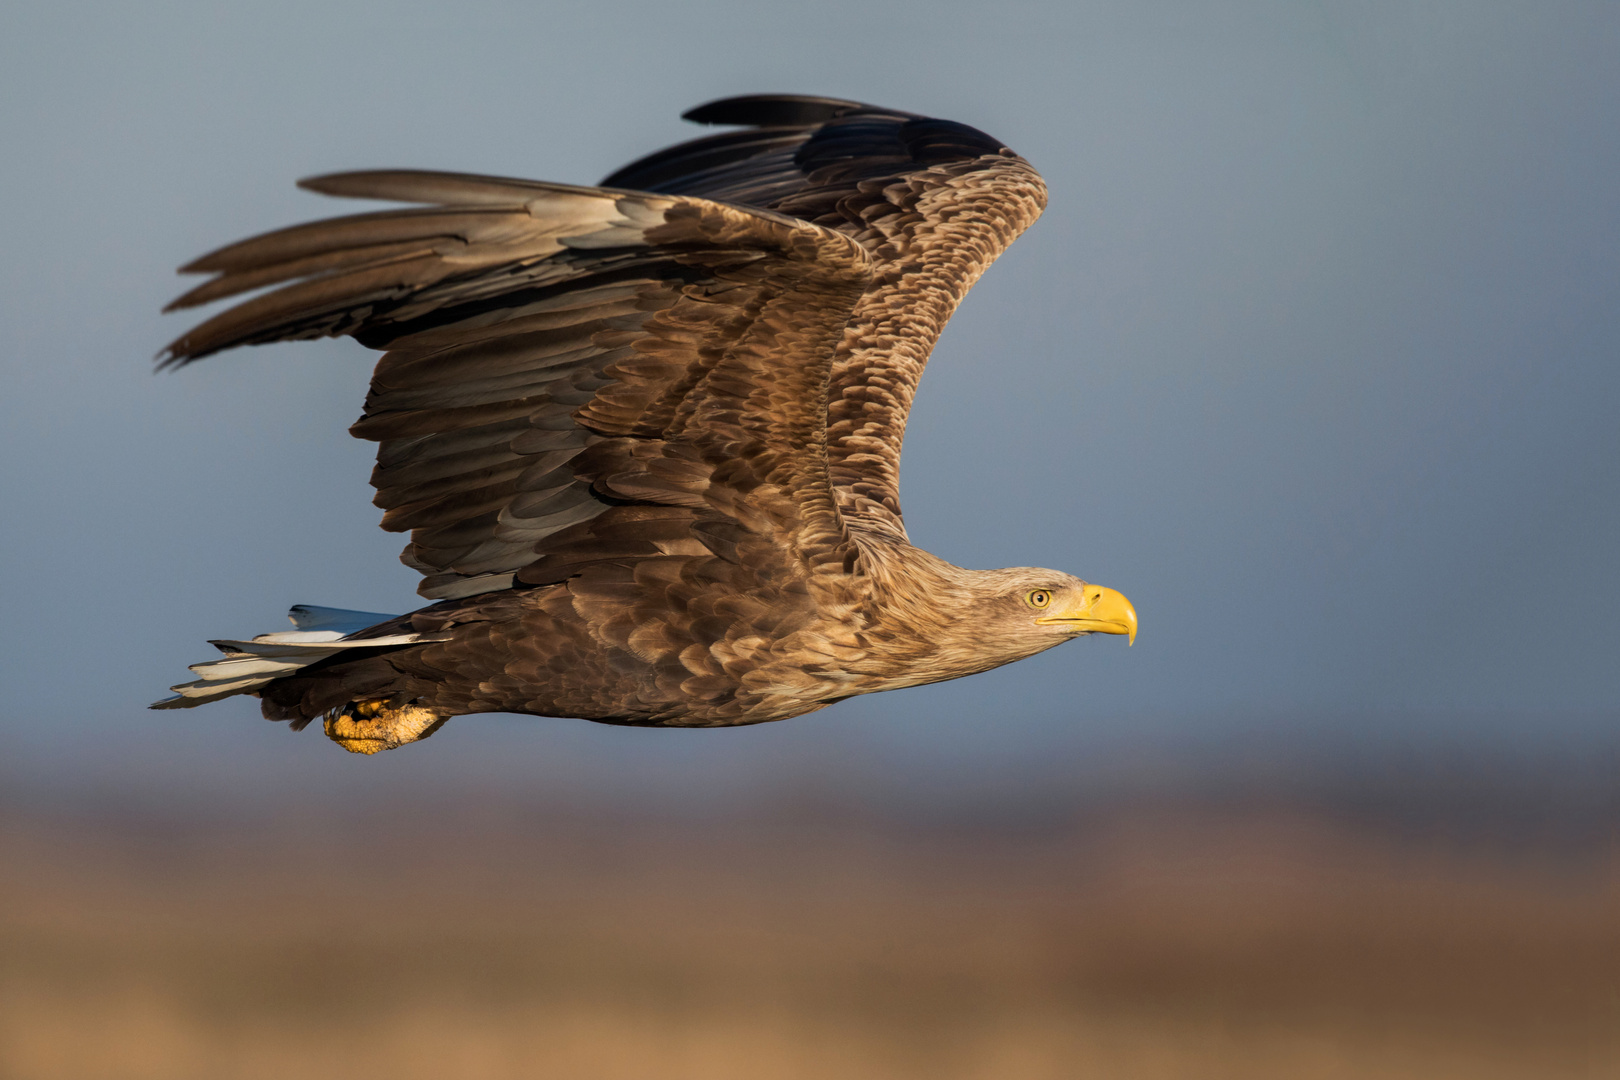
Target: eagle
[646,436]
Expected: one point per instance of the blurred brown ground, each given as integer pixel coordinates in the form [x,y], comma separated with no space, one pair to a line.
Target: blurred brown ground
[406,939]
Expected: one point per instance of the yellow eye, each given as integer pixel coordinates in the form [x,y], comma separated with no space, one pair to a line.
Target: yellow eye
[1039,598]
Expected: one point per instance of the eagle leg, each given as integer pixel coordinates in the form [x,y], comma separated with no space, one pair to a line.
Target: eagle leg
[372,725]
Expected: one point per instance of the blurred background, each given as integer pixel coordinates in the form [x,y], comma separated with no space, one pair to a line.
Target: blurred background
[1313,356]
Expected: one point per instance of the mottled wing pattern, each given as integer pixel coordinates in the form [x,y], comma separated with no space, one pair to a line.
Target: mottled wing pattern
[562,360]
[933,201]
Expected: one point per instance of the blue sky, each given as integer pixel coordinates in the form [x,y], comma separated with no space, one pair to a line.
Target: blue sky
[1315,355]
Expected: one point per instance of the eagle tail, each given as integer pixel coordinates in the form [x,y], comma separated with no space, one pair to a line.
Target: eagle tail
[249,666]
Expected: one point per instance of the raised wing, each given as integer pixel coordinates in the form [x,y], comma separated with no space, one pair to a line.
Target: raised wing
[932,200]
[558,352]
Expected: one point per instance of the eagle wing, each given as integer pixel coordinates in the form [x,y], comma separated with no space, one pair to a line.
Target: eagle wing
[933,201]
[572,374]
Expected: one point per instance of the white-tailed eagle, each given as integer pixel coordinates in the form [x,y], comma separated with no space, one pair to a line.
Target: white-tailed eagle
[646,436]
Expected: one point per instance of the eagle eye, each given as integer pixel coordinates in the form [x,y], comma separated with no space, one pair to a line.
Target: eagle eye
[1038,598]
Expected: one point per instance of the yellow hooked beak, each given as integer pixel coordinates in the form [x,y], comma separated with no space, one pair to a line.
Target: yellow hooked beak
[1098,611]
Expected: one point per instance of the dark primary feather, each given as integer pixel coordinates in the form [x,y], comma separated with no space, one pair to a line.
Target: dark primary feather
[799,144]
[761,110]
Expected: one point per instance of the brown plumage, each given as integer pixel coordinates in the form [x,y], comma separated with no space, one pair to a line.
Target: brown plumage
[646,437]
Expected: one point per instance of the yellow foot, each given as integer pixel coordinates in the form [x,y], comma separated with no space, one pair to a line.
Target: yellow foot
[366,727]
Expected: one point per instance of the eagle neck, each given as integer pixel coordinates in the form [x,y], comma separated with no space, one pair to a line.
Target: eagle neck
[923,620]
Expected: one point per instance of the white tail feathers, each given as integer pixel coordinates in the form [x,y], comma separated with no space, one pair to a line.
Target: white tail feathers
[248,665]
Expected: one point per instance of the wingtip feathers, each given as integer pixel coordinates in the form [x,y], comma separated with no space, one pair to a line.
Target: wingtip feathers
[771,110]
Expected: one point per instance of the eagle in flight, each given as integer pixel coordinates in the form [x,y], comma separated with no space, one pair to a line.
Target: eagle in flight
[645,437]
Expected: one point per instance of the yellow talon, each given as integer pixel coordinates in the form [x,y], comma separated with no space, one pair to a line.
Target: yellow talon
[371,726]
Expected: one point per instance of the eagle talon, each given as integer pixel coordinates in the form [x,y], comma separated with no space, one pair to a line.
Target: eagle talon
[376,724]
